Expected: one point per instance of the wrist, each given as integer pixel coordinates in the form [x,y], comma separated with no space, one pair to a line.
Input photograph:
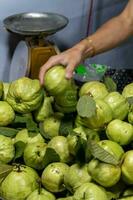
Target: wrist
[90,48]
[86,48]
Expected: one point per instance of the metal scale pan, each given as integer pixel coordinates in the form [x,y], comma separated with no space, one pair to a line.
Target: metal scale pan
[29,24]
[30,54]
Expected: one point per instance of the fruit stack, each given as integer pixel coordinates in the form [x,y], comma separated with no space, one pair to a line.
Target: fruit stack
[63,141]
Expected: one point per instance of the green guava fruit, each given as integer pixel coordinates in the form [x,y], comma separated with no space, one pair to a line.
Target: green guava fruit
[34,155]
[19,183]
[72,144]
[127,168]
[55,81]
[113,148]
[104,174]
[24,136]
[95,89]
[25,95]
[50,126]
[128,90]
[118,104]
[90,191]
[77,175]
[7,114]
[41,194]
[53,177]
[102,117]
[67,99]
[45,110]
[130,117]
[60,145]
[120,132]
[7,149]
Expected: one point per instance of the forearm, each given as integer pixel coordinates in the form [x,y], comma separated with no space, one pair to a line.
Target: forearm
[111,35]
[108,36]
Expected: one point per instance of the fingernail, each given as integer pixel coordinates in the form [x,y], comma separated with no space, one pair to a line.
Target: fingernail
[68,75]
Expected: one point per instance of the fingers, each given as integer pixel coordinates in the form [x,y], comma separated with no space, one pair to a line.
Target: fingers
[50,63]
[69,70]
[69,58]
[43,69]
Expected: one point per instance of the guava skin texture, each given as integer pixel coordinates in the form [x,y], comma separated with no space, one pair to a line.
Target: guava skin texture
[76,176]
[34,154]
[102,117]
[120,132]
[53,177]
[90,191]
[128,90]
[25,95]
[127,167]
[118,104]
[55,81]
[41,195]
[112,147]
[60,145]
[104,174]
[24,136]
[19,183]
[7,149]
[7,114]
[95,89]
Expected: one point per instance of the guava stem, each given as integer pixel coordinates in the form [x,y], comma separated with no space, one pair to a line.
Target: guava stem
[18,167]
[39,189]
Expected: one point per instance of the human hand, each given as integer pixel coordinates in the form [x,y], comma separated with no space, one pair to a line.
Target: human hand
[69,58]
